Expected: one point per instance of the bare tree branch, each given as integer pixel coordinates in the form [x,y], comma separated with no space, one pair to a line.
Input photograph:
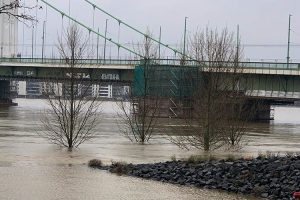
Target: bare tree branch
[74,114]
[217,101]
[11,10]
[139,115]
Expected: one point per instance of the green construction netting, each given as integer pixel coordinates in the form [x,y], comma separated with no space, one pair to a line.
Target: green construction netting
[164,80]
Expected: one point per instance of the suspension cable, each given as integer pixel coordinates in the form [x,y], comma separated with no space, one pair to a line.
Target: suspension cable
[144,34]
[90,29]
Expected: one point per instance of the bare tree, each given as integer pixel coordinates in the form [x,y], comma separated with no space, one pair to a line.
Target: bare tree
[217,101]
[74,113]
[11,10]
[139,114]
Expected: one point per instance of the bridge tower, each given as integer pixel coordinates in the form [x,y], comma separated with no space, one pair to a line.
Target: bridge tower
[8,33]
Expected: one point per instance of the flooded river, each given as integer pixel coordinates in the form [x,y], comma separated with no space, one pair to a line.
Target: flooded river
[31,168]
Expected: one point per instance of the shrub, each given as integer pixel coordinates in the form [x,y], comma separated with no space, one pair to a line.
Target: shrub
[120,168]
[230,158]
[95,163]
[200,158]
[173,158]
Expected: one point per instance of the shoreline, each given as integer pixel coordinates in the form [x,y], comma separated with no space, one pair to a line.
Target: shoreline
[264,177]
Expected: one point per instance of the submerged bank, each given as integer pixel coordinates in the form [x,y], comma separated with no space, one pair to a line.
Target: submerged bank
[273,177]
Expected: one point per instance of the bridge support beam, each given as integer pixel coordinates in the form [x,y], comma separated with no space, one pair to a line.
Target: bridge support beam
[5,97]
[259,110]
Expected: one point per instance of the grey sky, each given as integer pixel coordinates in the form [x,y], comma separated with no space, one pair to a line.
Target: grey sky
[260,21]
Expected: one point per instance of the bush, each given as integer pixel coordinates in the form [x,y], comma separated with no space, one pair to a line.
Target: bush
[120,168]
[193,159]
[173,158]
[230,158]
[95,163]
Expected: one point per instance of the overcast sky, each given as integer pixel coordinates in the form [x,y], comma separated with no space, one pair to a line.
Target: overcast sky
[262,22]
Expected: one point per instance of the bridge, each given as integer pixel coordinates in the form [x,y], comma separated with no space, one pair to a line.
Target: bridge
[264,79]
[52,69]
[275,83]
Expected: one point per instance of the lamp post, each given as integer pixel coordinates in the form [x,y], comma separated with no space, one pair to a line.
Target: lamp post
[98,46]
[159,42]
[237,43]
[289,42]
[32,42]
[43,40]
[184,38]
[104,51]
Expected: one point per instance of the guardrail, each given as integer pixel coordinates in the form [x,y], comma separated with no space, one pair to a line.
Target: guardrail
[174,62]
[64,61]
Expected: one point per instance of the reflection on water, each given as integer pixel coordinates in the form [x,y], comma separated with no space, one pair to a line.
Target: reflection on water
[30,168]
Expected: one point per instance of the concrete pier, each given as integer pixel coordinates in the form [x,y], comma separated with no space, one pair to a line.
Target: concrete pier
[5,97]
[259,110]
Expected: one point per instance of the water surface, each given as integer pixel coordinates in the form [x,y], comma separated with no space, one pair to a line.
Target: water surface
[31,168]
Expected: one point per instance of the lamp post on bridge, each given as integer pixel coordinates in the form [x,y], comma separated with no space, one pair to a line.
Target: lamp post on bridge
[184,38]
[159,42]
[43,40]
[98,46]
[289,42]
[104,51]
[32,42]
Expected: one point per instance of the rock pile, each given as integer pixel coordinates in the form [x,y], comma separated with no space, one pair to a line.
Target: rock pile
[272,178]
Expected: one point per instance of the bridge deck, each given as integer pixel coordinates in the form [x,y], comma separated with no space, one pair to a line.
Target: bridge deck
[249,67]
[269,79]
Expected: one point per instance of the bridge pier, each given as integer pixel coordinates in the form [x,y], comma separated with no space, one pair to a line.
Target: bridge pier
[259,110]
[256,110]
[5,97]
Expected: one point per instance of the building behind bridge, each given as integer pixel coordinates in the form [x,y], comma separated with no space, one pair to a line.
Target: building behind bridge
[8,33]
[35,89]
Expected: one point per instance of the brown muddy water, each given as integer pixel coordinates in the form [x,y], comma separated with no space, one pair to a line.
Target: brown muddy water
[30,168]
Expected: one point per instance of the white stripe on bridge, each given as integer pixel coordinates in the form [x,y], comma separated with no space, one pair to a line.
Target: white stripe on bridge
[244,70]
[57,65]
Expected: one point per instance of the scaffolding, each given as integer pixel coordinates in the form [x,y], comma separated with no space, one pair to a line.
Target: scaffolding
[174,85]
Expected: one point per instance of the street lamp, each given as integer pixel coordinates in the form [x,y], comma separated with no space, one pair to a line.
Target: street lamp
[289,42]
[104,52]
[184,38]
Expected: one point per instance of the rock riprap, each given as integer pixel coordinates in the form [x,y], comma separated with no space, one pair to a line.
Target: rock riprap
[272,178]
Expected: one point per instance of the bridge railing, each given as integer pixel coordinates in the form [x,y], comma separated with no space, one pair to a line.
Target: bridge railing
[254,65]
[64,61]
[265,65]
[174,62]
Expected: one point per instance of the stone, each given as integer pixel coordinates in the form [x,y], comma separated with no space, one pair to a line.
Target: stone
[264,195]
[272,178]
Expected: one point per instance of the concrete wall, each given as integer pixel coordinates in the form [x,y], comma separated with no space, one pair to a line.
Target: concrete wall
[8,33]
